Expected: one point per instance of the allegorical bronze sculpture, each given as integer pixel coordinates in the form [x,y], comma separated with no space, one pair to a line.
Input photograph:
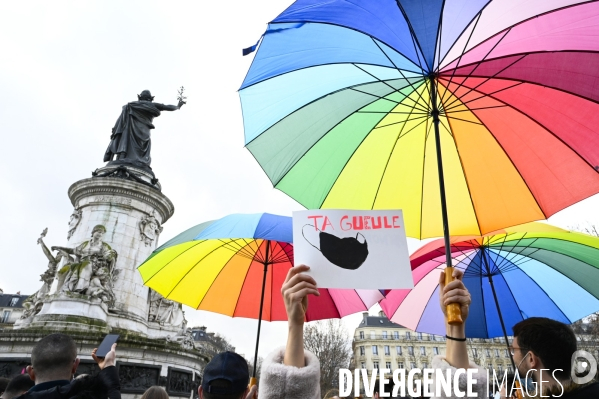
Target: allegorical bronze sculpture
[130,140]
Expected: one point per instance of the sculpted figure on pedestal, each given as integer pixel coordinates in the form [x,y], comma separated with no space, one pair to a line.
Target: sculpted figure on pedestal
[149,228]
[90,269]
[74,222]
[164,311]
[33,304]
[130,139]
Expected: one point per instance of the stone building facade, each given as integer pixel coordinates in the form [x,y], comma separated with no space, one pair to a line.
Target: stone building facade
[379,343]
[11,308]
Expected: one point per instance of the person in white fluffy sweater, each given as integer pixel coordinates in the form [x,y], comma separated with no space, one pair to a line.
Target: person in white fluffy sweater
[292,372]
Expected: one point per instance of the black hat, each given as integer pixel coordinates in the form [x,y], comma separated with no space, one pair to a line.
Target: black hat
[226,366]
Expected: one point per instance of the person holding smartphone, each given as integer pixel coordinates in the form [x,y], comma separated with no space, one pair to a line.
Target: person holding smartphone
[54,362]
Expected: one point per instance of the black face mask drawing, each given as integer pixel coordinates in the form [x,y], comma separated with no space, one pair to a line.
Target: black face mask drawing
[348,253]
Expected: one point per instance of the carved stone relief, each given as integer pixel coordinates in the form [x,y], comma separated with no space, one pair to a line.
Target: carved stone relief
[74,221]
[165,311]
[136,378]
[89,269]
[149,228]
[179,382]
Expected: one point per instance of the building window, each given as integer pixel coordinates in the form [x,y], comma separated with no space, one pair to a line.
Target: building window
[435,350]
[5,316]
[488,352]
[387,350]
[395,334]
[474,352]
[388,365]
[419,336]
[424,365]
[372,334]
[384,334]
[362,352]
[375,350]
[411,350]
[500,368]
[363,365]
[408,336]
[412,365]
[423,350]
[496,352]
[361,334]
[375,365]
[400,365]
[505,354]
[398,349]
[13,301]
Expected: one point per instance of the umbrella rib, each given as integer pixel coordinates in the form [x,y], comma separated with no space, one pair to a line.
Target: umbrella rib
[385,83]
[522,81]
[190,269]
[218,274]
[380,97]
[351,87]
[531,17]
[393,112]
[438,40]
[465,176]
[542,289]
[413,36]
[473,109]
[471,89]
[169,262]
[389,159]
[242,285]
[398,69]
[463,120]
[407,120]
[463,50]
[482,96]
[508,156]
[427,132]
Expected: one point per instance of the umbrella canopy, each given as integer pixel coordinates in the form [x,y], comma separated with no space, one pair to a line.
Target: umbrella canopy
[219,266]
[347,103]
[530,270]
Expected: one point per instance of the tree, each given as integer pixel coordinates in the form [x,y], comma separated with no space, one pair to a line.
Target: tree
[331,343]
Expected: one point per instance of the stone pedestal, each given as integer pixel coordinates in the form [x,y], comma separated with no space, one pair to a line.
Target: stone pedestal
[69,311]
[121,206]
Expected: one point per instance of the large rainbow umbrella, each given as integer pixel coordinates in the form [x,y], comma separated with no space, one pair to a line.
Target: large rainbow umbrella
[532,270]
[484,113]
[236,266]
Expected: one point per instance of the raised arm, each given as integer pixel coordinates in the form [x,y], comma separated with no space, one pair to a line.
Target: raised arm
[455,292]
[166,107]
[295,290]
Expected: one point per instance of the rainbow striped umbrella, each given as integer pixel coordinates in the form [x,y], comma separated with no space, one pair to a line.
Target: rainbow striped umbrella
[236,266]
[347,104]
[524,271]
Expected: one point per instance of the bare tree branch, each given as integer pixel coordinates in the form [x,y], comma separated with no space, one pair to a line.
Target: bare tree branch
[331,343]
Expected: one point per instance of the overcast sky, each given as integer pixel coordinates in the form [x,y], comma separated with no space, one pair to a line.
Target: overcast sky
[66,69]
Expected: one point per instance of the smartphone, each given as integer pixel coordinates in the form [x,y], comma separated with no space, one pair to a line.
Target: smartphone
[106,345]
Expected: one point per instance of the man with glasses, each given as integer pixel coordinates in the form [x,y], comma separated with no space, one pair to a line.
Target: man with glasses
[542,349]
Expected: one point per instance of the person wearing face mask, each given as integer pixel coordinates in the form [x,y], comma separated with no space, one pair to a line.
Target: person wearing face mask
[542,350]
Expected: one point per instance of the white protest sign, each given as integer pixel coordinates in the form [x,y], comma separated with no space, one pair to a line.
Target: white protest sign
[353,249]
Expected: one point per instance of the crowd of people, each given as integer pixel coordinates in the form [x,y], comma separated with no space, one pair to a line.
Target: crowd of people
[541,348]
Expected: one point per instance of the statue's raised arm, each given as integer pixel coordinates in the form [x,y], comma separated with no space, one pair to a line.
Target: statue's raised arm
[130,141]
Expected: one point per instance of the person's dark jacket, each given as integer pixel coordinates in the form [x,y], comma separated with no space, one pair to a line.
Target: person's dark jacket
[104,385]
[587,391]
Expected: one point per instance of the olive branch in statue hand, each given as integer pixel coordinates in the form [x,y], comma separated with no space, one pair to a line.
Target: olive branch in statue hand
[181,98]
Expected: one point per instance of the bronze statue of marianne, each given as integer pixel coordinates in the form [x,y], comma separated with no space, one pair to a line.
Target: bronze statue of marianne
[130,139]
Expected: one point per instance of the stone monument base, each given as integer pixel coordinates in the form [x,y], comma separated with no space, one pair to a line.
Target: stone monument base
[141,362]
[69,312]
